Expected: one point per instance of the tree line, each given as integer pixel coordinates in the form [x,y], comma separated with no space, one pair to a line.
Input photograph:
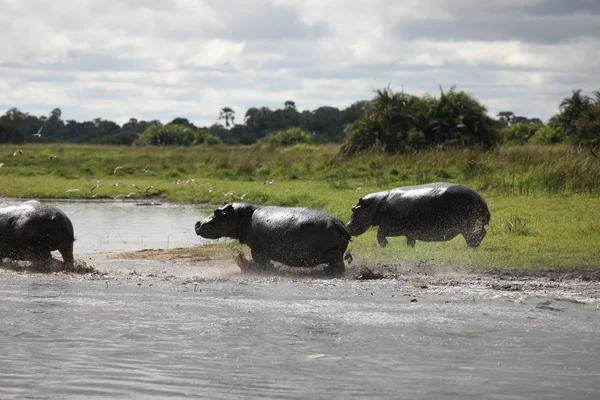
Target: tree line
[391,121]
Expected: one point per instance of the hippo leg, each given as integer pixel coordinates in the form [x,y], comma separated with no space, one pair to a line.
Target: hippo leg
[474,239]
[410,242]
[262,263]
[336,267]
[66,252]
[381,238]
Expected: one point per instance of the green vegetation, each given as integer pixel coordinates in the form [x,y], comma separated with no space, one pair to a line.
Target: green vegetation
[393,122]
[544,200]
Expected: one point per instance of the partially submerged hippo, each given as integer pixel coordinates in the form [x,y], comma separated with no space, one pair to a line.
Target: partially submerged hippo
[32,230]
[433,212]
[297,237]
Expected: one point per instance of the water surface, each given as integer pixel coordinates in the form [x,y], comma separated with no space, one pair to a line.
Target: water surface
[114,226]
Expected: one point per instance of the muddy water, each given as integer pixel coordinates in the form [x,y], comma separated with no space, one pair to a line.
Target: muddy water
[110,226]
[157,330]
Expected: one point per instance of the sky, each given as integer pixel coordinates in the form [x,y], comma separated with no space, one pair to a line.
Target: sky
[162,59]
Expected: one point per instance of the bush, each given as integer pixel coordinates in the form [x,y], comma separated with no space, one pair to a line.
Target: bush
[288,137]
[175,135]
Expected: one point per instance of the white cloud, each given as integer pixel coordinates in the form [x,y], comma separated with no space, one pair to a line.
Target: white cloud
[154,59]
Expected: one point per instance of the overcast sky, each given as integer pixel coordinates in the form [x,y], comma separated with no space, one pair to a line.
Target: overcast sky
[161,59]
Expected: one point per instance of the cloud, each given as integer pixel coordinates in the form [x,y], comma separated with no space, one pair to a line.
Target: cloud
[154,59]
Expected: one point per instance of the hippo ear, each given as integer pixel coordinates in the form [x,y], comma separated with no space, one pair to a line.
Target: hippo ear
[218,212]
[227,209]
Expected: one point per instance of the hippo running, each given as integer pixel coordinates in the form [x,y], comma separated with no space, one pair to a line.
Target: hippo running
[297,237]
[434,212]
[31,231]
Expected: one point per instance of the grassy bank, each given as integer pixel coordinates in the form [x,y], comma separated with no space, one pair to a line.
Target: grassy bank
[544,201]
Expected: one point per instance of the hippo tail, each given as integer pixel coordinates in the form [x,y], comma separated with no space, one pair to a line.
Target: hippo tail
[341,228]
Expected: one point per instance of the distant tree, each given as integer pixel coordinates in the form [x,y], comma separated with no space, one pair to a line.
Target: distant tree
[228,115]
[289,105]
[506,117]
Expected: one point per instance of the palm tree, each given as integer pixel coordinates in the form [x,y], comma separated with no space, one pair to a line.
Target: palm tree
[228,115]
[571,108]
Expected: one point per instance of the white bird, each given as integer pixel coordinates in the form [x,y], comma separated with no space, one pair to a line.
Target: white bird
[131,194]
[18,152]
[39,132]
[191,180]
[148,188]
[94,188]
[1,164]
[116,184]
[71,191]
[147,168]
[210,189]
[133,185]
[117,170]
[270,182]
[53,157]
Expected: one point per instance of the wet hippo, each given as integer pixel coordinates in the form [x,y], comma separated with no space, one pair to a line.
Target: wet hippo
[32,230]
[297,237]
[434,212]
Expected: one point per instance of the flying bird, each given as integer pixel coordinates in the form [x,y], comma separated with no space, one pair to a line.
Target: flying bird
[117,170]
[18,152]
[53,157]
[270,182]
[148,188]
[133,185]
[94,188]
[71,191]
[39,132]
[1,164]
[147,168]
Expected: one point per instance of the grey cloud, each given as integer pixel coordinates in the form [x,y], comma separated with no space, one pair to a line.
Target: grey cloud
[502,28]
[565,7]
[262,21]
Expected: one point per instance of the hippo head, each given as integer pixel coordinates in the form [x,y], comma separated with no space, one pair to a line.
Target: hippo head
[363,215]
[226,221]
[222,223]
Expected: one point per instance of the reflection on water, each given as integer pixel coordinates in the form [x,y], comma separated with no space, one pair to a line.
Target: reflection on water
[127,226]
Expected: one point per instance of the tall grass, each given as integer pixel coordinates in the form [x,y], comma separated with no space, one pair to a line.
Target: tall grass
[504,171]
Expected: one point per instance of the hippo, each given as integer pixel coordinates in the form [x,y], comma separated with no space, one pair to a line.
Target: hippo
[294,236]
[434,212]
[31,231]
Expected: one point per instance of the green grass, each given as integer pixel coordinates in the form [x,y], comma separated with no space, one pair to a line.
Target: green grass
[544,200]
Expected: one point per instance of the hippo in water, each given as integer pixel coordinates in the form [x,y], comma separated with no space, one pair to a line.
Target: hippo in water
[297,237]
[434,212]
[32,230]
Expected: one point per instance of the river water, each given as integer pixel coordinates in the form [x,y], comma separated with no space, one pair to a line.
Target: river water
[117,226]
[149,329]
